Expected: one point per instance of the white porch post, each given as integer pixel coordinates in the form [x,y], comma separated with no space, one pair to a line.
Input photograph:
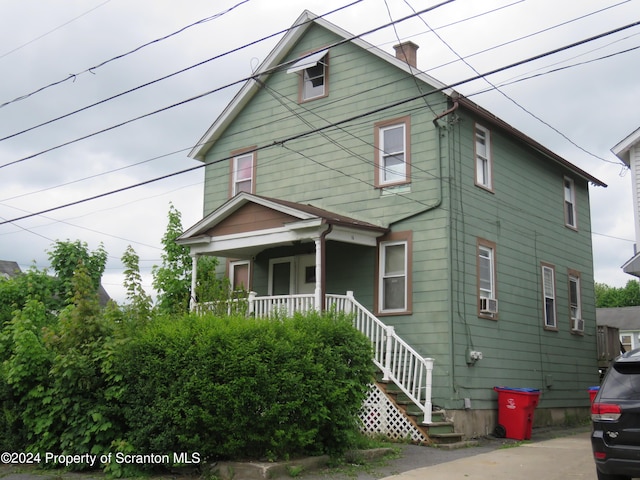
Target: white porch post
[318,290]
[427,391]
[194,276]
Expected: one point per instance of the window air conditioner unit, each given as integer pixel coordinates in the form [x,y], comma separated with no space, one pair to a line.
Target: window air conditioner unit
[578,325]
[488,305]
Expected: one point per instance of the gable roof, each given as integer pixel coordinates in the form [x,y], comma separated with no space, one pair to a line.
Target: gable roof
[273,62]
[623,318]
[498,122]
[621,150]
[247,224]
[9,268]
[295,211]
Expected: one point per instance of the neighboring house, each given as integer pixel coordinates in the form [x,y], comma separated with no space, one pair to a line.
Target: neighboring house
[628,150]
[626,320]
[9,269]
[342,168]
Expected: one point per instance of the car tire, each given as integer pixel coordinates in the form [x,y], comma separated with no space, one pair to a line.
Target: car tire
[609,476]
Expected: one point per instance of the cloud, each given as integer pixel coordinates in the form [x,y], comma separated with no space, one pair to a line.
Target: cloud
[595,105]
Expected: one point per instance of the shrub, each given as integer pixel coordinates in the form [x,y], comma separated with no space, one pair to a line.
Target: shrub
[236,387]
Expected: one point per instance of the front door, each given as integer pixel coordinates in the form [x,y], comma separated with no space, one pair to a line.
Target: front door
[291,275]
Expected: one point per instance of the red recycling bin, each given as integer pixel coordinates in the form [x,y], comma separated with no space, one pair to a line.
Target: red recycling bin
[515,412]
[593,391]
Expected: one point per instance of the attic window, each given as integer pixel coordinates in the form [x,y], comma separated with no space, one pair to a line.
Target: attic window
[313,71]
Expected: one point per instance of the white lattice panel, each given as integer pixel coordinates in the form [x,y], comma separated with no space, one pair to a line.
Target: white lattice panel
[380,416]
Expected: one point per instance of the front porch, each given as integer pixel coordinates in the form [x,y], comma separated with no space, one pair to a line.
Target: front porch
[397,361]
[294,255]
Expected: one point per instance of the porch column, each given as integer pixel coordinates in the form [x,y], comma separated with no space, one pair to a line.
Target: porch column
[194,276]
[319,273]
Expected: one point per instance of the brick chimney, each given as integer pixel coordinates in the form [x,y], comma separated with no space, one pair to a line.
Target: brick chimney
[407,52]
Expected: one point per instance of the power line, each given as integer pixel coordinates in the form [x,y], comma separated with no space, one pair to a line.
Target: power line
[51,31]
[526,110]
[157,80]
[494,47]
[73,76]
[306,109]
[334,124]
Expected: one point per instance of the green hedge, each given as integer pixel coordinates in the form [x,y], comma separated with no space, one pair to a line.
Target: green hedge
[226,388]
[238,387]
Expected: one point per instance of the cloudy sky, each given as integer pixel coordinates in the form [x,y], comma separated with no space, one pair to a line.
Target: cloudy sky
[579,102]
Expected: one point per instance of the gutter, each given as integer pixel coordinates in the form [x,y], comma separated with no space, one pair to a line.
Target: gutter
[530,142]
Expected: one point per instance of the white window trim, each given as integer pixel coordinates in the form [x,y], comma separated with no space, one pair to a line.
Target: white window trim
[549,295]
[383,276]
[380,153]
[569,201]
[488,293]
[489,248]
[302,67]
[488,158]
[236,179]
[384,154]
[575,277]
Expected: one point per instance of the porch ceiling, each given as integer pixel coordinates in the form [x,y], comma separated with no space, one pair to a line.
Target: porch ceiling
[248,224]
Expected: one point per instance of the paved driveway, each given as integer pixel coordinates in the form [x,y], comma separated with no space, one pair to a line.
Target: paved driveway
[551,455]
[557,459]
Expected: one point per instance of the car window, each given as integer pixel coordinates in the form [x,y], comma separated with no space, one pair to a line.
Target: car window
[622,382]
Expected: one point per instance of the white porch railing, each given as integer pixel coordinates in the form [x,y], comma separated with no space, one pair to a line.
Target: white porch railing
[397,360]
[280,304]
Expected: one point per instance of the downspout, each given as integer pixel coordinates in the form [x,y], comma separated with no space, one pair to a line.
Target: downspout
[323,264]
[450,286]
[438,202]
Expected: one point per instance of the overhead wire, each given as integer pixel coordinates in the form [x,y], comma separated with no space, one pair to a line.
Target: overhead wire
[202,95]
[74,76]
[51,31]
[511,99]
[102,173]
[165,77]
[538,32]
[337,123]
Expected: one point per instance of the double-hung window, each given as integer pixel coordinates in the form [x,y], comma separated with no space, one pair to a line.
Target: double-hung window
[487,297]
[484,162]
[570,219]
[243,173]
[392,147]
[549,296]
[575,302]
[394,266]
[314,72]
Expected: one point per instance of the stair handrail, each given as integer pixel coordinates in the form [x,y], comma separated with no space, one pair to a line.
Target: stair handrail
[398,361]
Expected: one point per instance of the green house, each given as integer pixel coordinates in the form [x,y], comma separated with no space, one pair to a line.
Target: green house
[342,176]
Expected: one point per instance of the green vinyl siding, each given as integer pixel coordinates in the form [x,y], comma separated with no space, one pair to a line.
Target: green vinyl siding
[524,217]
[333,169]
[445,212]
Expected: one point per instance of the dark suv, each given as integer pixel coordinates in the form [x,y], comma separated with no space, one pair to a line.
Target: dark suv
[615,414]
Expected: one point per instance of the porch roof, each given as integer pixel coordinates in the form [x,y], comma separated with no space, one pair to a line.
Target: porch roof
[247,224]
